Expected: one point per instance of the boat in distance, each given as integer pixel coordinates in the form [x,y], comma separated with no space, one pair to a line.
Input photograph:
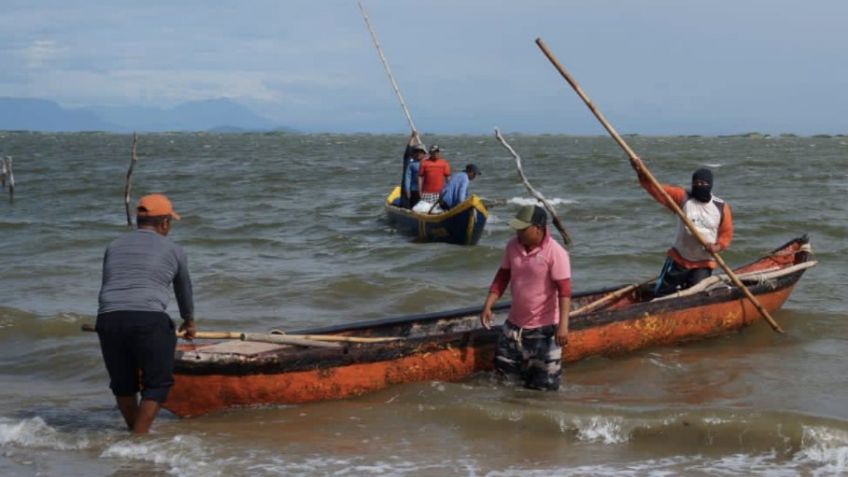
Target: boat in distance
[462,225]
[451,345]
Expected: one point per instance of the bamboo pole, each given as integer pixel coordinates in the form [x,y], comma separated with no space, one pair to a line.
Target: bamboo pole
[538,195]
[640,167]
[3,173]
[128,184]
[389,71]
[271,337]
[609,298]
[11,174]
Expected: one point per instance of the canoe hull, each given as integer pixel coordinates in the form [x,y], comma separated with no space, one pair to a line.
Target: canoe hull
[461,225]
[459,348]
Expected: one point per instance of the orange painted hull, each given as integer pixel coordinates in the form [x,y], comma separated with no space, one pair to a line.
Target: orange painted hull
[267,378]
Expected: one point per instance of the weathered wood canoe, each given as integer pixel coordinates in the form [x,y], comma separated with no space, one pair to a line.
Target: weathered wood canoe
[462,225]
[451,345]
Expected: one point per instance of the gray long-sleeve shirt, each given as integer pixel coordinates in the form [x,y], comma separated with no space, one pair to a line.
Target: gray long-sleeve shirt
[138,269]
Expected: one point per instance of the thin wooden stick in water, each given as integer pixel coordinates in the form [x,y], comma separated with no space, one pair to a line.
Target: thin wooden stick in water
[634,160]
[128,185]
[3,173]
[11,174]
[538,195]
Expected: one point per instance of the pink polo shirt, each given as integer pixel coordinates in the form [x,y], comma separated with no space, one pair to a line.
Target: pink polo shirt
[535,300]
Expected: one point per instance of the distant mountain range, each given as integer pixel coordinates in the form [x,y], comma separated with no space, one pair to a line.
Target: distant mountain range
[218,115]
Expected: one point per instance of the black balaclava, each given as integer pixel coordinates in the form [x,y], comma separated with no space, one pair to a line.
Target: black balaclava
[702,193]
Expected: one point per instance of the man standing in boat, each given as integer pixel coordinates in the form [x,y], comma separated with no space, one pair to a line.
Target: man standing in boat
[136,335]
[538,272]
[432,174]
[412,157]
[688,262]
[456,190]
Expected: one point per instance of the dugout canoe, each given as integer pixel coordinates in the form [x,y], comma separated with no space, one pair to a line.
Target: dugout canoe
[462,225]
[451,345]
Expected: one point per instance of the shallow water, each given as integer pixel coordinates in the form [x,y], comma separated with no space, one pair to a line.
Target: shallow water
[287,231]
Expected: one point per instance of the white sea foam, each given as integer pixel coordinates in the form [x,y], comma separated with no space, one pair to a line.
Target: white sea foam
[608,430]
[716,420]
[826,447]
[182,455]
[531,201]
[36,433]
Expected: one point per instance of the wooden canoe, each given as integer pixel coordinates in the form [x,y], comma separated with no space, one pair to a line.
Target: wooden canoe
[450,346]
[462,225]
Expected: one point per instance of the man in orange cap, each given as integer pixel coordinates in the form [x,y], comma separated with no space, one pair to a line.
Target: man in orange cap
[136,334]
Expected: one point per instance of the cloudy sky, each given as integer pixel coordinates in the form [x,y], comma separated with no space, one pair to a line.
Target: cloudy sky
[652,66]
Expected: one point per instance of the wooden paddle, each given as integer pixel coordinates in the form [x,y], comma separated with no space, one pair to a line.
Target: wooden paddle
[640,166]
[566,240]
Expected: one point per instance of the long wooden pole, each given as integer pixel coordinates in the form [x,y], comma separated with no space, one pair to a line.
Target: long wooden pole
[128,184]
[240,335]
[644,170]
[388,71]
[566,239]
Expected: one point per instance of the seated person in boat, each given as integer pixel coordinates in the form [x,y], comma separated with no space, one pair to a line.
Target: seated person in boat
[412,158]
[455,191]
[137,337]
[432,174]
[688,262]
[538,272]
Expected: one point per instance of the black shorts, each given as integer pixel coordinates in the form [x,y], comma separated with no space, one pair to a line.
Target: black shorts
[674,277]
[138,349]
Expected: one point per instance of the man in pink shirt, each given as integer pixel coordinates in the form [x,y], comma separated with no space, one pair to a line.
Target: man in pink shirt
[538,272]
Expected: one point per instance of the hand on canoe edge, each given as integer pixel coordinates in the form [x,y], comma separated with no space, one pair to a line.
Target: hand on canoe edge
[188,329]
[486,318]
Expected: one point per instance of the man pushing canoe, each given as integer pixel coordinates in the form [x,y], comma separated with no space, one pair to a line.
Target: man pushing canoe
[136,335]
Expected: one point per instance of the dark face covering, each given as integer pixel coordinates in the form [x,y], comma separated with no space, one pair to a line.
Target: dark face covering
[702,185]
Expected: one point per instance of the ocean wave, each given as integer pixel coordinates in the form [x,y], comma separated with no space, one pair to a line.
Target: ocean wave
[15,322]
[606,430]
[827,448]
[35,433]
[182,455]
[531,201]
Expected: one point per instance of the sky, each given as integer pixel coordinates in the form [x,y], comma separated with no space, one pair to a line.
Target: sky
[653,67]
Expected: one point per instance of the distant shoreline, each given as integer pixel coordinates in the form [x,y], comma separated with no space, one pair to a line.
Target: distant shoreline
[236,131]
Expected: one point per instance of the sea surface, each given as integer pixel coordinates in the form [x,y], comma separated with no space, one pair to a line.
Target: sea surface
[288,231]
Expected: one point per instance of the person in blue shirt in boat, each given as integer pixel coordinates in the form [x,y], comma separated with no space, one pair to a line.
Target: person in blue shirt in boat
[412,157]
[455,191]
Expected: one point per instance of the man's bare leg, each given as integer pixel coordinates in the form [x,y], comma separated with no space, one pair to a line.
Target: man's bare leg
[128,406]
[147,411]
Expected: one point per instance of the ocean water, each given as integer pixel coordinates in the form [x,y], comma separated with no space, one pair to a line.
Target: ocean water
[287,231]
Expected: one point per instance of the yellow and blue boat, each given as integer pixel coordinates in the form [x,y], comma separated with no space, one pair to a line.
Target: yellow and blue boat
[462,225]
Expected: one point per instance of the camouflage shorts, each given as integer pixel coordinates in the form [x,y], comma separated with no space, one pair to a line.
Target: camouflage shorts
[530,356]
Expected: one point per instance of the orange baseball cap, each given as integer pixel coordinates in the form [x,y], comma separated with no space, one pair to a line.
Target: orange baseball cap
[155,205]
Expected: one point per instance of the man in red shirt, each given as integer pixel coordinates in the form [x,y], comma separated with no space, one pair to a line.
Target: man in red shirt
[688,262]
[538,272]
[432,174]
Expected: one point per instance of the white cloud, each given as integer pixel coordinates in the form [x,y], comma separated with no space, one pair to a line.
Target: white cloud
[40,53]
[165,87]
